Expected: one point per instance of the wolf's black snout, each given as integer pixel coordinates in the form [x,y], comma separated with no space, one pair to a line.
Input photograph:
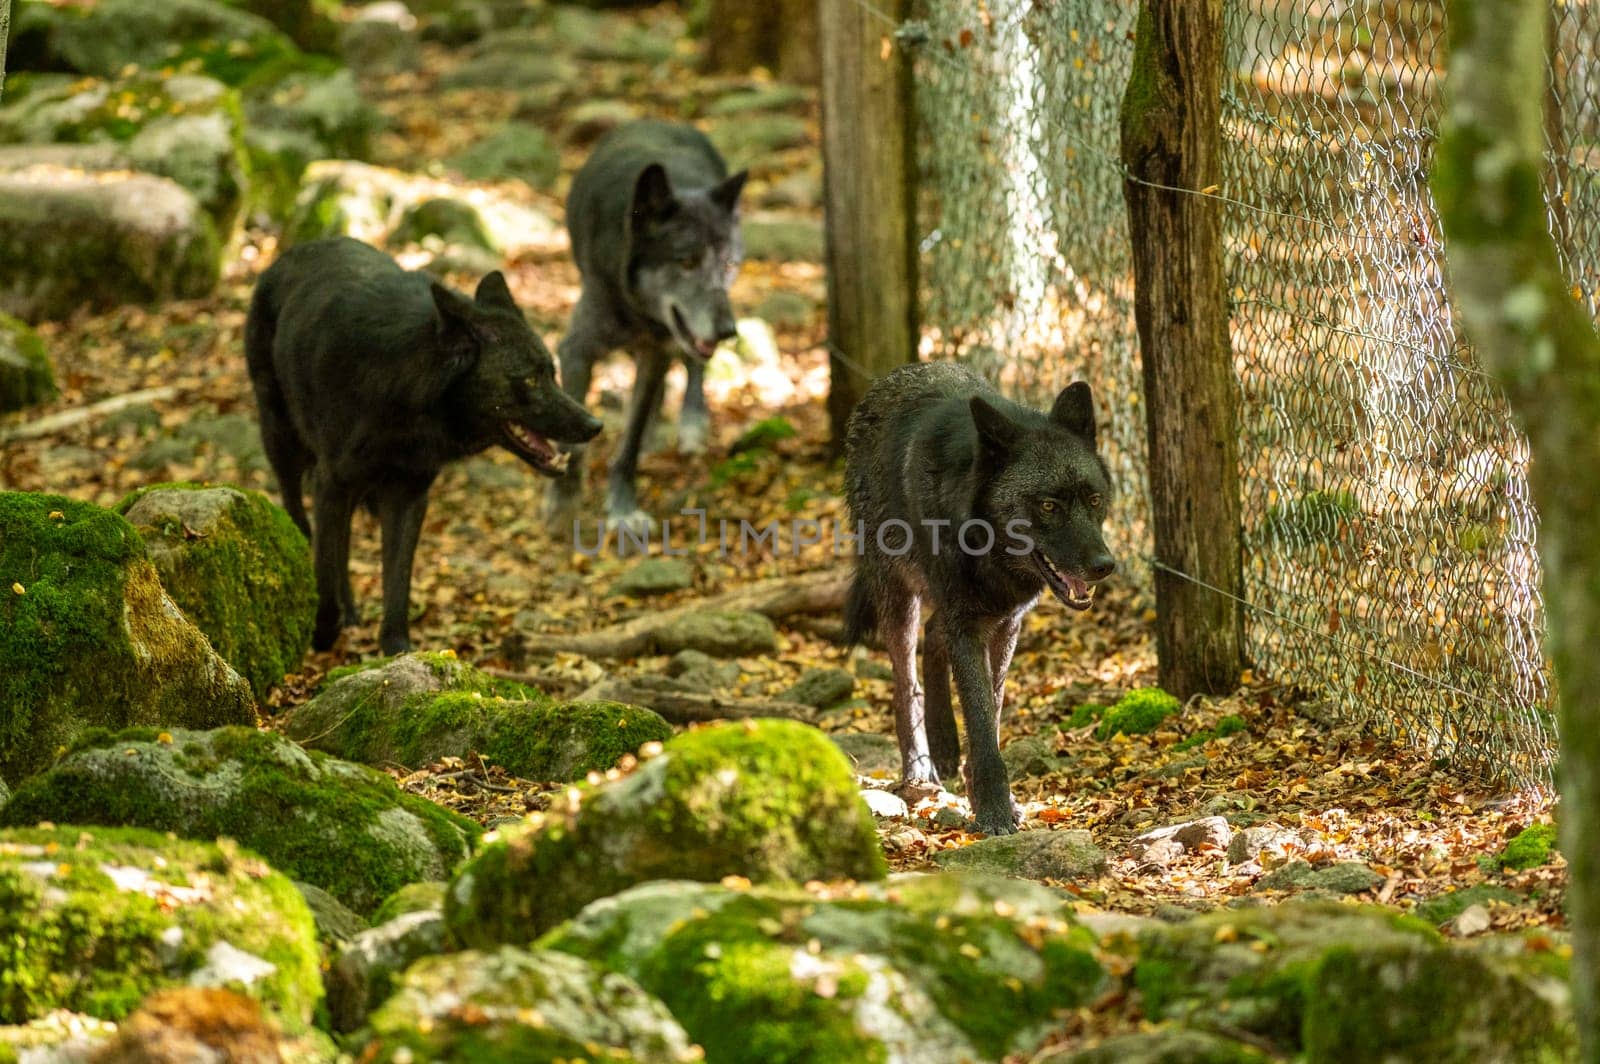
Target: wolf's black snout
[1101,566]
[589,427]
[726,330]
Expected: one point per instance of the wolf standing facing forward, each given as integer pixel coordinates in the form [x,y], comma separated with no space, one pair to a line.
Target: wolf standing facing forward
[974,505]
[377,377]
[655,233]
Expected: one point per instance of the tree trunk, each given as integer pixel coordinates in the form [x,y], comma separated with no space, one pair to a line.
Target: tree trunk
[1171,133]
[869,173]
[780,35]
[5,33]
[1515,305]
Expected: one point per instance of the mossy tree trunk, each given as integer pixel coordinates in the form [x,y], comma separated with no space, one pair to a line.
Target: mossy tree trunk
[781,35]
[1515,304]
[869,175]
[5,32]
[1171,146]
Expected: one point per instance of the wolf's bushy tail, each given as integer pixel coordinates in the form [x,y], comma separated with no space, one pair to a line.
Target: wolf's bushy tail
[860,612]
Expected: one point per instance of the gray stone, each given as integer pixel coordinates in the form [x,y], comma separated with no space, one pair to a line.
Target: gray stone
[587,122]
[450,220]
[329,110]
[776,97]
[70,239]
[1345,877]
[786,310]
[821,688]
[1037,854]
[364,970]
[654,576]
[380,38]
[336,923]
[701,670]
[1210,832]
[515,150]
[507,68]
[872,669]
[163,451]
[723,633]
[1247,843]
[748,140]
[1175,1045]
[1031,755]
[870,753]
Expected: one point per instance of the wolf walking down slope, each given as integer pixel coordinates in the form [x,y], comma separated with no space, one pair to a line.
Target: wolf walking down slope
[373,378]
[974,505]
[654,220]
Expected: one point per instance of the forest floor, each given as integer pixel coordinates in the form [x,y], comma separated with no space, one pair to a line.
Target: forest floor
[488,569]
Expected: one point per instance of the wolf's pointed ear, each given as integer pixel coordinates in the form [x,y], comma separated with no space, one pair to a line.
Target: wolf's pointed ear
[1074,410]
[652,195]
[726,195]
[493,292]
[996,431]
[455,322]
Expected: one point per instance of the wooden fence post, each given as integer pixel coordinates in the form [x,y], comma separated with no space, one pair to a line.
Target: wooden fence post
[1171,138]
[869,179]
[5,32]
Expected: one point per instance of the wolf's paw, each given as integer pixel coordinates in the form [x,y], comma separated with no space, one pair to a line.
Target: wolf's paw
[996,822]
[325,634]
[635,521]
[694,435]
[560,508]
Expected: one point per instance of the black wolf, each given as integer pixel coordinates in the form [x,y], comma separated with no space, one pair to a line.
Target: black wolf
[655,232]
[377,377]
[934,457]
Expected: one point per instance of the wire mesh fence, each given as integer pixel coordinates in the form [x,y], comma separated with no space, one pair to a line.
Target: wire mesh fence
[1390,541]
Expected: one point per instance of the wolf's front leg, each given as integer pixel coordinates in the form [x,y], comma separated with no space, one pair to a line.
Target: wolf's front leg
[578,353]
[400,510]
[898,612]
[987,787]
[943,742]
[622,500]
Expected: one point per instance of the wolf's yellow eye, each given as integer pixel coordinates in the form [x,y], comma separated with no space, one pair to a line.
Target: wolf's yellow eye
[1095,502]
[1048,506]
[691,263]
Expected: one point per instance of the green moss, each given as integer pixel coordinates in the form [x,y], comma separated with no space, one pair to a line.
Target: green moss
[1530,848]
[73,938]
[246,582]
[452,221]
[1229,725]
[1137,713]
[772,800]
[411,898]
[316,819]
[26,377]
[1446,907]
[763,435]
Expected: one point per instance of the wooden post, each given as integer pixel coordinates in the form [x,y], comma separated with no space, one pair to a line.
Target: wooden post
[1171,135]
[869,168]
[5,33]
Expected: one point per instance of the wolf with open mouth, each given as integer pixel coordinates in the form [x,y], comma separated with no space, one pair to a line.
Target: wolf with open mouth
[372,378]
[972,505]
[654,218]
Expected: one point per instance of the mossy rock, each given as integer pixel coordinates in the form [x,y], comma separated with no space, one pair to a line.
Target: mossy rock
[1530,848]
[721,633]
[308,23]
[924,968]
[773,801]
[751,139]
[654,576]
[1443,908]
[821,688]
[1250,968]
[363,971]
[1416,1001]
[105,37]
[91,640]
[588,121]
[335,922]
[380,39]
[510,1004]
[26,376]
[510,68]
[1341,877]
[1038,854]
[416,708]
[238,568]
[93,919]
[783,239]
[777,97]
[318,106]
[449,220]
[345,828]
[787,310]
[514,151]
[1170,1045]
[411,898]
[1137,713]
[70,239]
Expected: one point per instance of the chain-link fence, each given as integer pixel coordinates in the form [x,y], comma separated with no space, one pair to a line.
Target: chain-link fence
[1390,558]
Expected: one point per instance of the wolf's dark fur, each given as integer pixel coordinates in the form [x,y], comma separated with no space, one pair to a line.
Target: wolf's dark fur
[655,233]
[377,377]
[934,446]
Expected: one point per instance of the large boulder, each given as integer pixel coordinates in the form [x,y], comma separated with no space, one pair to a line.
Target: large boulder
[345,828]
[930,969]
[185,127]
[1038,854]
[773,801]
[94,919]
[1328,983]
[238,568]
[417,708]
[26,376]
[70,239]
[90,639]
[517,151]
[518,1005]
[370,203]
[104,37]
[364,970]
